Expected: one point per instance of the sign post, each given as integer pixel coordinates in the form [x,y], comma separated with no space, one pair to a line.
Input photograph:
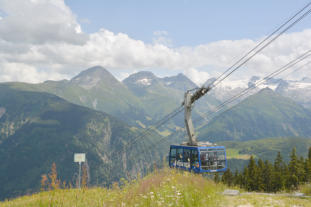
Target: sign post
[79,157]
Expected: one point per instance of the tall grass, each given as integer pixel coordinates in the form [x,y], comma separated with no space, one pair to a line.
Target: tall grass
[161,188]
[306,189]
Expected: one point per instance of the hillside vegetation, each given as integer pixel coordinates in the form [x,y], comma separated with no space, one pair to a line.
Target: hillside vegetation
[265,176]
[267,149]
[130,101]
[37,129]
[163,188]
[264,114]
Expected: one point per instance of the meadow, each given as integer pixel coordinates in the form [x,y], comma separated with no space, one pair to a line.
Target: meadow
[164,187]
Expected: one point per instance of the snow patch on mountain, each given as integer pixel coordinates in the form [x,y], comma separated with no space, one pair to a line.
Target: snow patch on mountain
[233,84]
[299,85]
[271,86]
[144,81]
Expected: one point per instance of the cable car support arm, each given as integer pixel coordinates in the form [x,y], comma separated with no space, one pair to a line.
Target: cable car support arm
[189,100]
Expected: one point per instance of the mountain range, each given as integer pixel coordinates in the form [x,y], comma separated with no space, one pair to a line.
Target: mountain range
[37,129]
[143,98]
[97,114]
[135,100]
[264,114]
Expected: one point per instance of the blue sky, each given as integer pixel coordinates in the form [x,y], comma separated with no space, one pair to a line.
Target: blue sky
[57,39]
[188,23]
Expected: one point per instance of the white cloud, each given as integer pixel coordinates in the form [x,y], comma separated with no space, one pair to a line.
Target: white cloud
[44,38]
[25,73]
[122,76]
[38,22]
[161,38]
[199,77]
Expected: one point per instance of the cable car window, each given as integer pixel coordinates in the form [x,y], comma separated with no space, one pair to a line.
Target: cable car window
[204,159]
[179,156]
[173,156]
[186,158]
[221,159]
[194,159]
[212,159]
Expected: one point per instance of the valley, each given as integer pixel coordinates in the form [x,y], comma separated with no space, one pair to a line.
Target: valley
[40,121]
[155,103]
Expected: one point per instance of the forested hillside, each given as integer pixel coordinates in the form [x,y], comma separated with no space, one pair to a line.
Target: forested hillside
[264,114]
[37,129]
[267,176]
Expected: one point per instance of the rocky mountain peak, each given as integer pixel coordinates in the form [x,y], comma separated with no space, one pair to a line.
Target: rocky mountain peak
[180,82]
[266,91]
[142,78]
[93,76]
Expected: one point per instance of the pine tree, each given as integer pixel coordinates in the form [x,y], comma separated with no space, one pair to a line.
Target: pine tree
[301,170]
[244,178]
[309,154]
[267,176]
[307,169]
[236,178]
[278,162]
[227,178]
[252,175]
[272,178]
[278,174]
[260,176]
[293,170]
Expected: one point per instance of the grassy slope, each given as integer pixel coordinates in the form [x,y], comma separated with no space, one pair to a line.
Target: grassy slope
[267,148]
[117,101]
[238,153]
[264,114]
[53,131]
[164,188]
[260,200]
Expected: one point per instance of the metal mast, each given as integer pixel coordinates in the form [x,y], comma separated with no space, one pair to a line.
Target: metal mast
[189,100]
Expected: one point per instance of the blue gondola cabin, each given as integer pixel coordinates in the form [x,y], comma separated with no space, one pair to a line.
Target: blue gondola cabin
[198,159]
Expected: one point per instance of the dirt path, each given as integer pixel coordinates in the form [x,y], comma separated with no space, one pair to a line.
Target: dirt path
[265,199]
[233,198]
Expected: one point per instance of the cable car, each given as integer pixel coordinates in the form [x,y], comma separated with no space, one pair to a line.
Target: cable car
[199,157]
